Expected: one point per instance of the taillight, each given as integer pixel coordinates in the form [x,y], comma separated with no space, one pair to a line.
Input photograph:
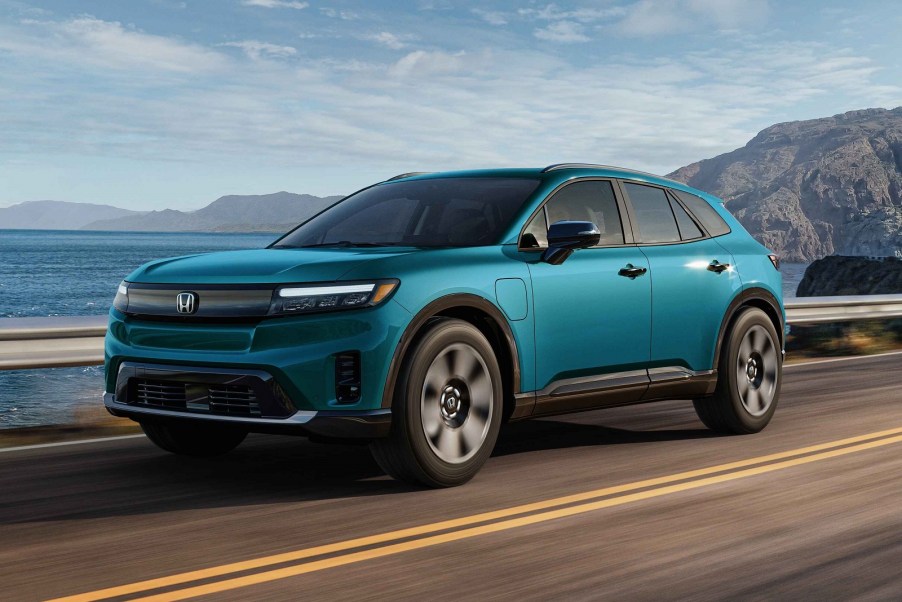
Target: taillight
[775,259]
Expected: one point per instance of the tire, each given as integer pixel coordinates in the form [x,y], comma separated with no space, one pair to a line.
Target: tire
[188,439]
[749,379]
[446,410]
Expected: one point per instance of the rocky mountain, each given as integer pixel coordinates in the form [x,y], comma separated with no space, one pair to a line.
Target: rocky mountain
[58,215]
[839,275]
[807,189]
[277,212]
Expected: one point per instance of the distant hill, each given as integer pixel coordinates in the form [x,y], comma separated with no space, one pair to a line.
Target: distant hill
[808,189]
[275,212]
[58,215]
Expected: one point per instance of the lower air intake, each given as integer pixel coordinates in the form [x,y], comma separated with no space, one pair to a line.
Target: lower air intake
[229,400]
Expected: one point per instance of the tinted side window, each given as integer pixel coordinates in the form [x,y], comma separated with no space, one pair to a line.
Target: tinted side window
[705,213]
[653,214]
[589,201]
[689,230]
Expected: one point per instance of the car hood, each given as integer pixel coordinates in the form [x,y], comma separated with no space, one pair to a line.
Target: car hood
[259,266]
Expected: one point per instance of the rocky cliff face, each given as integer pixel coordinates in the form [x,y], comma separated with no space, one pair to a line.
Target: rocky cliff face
[807,189]
[838,275]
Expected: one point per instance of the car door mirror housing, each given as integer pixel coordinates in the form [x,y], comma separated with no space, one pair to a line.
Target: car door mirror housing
[564,237]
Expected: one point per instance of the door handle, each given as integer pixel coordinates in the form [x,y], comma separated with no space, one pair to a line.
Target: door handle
[717,267]
[631,271]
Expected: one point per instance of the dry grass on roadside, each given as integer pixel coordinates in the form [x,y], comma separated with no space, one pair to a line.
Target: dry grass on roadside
[844,339]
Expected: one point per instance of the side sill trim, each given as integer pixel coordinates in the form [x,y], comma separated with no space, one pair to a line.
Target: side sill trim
[670,373]
[607,382]
[621,388]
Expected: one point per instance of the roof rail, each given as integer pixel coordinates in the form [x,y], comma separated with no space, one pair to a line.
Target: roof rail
[557,166]
[408,175]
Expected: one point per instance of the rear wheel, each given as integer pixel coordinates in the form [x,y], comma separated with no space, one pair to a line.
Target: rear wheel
[750,373]
[193,439]
[447,408]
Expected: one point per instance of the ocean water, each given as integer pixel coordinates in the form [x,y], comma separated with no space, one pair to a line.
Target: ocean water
[792,275]
[74,273]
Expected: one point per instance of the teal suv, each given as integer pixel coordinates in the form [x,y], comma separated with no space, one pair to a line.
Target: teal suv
[421,313]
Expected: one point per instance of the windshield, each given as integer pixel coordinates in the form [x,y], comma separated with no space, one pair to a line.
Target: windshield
[440,212]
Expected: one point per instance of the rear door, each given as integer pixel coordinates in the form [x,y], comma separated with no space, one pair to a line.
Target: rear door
[692,281]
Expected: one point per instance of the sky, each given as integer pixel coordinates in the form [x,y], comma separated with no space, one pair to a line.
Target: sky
[164,103]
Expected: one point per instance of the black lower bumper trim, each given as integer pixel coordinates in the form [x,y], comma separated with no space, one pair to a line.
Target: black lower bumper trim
[337,424]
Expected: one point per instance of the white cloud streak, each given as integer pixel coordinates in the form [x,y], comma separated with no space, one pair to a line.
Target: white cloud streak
[388,39]
[106,44]
[276,4]
[492,17]
[668,17]
[343,14]
[257,50]
[566,32]
[552,12]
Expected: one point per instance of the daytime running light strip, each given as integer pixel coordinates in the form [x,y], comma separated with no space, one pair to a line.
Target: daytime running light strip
[326,290]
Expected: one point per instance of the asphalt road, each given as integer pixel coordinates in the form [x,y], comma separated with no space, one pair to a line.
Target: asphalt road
[658,508]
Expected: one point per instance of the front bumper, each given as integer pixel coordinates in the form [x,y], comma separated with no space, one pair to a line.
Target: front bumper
[251,399]
[299,352]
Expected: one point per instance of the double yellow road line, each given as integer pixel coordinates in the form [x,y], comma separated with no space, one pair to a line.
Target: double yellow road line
[242,574]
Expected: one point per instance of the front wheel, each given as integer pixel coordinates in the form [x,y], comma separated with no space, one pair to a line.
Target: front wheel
[447,408]
[189,439]
[750,373]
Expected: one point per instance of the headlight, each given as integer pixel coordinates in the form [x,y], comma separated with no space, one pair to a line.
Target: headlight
[121,300]
[302,298]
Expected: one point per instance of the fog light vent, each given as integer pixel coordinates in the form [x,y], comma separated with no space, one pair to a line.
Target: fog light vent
[347,377]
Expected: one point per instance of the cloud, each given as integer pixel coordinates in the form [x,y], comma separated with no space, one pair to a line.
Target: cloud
[257,50]
[385,38]
[492,17]
[421,63]
[87,40]
[90,88]
[728,14]
[552,12]
[564,32]
[276,4]
[344,15]
[663,17]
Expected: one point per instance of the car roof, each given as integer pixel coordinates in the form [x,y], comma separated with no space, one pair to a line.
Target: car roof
[560,172]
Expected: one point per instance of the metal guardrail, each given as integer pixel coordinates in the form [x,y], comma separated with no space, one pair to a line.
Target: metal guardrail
[818,310]
[78,340]
[54,342]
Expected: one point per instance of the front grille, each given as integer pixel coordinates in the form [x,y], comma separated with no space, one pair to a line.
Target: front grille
[224,399]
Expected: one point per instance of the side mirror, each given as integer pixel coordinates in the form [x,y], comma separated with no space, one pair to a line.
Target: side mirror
[565,237]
